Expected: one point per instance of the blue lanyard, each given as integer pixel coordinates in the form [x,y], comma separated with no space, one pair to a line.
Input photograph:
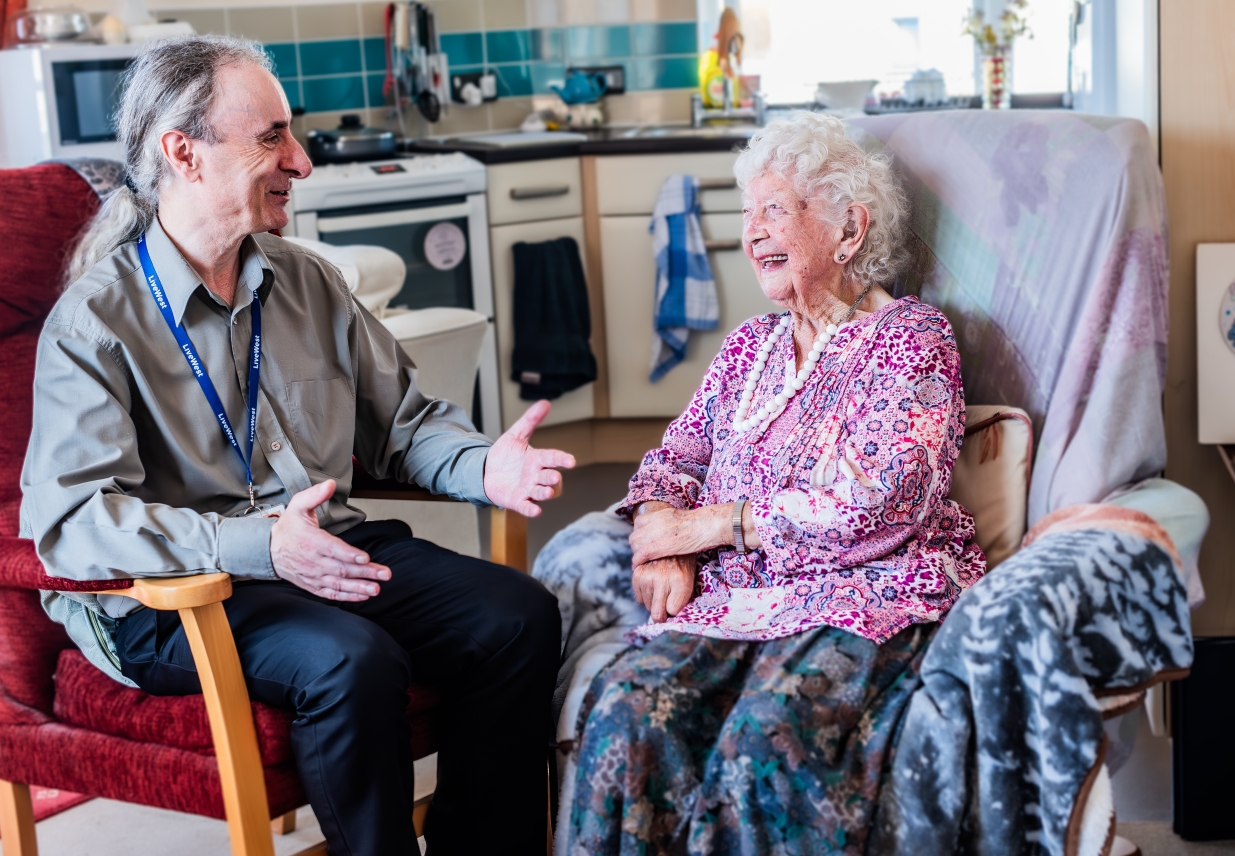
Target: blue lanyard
[199,368]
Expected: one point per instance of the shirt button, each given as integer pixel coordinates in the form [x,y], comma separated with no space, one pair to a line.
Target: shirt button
[276,446]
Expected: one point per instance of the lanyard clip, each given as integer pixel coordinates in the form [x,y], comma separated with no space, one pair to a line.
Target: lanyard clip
[252,497]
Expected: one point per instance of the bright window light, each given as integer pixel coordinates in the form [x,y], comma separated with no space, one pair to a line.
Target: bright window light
[795,44]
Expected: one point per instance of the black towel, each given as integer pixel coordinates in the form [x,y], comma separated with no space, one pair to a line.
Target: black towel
[552,320]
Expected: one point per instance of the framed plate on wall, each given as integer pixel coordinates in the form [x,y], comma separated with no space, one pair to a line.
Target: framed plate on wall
[1215,342]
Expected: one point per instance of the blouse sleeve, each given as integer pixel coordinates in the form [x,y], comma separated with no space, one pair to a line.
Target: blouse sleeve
[675,472]
[903,427]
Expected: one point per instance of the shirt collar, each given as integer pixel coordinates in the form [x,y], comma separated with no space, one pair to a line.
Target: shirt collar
[180,281]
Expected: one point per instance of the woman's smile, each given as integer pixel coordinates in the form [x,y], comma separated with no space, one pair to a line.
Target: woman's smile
[774,261]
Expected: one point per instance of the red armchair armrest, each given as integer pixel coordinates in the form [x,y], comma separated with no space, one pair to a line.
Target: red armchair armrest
[20,568]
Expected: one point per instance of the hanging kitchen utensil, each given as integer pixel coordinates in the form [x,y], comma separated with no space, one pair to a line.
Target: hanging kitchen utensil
[430,106]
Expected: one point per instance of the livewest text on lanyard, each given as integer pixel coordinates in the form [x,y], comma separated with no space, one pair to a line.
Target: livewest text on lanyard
[199,368]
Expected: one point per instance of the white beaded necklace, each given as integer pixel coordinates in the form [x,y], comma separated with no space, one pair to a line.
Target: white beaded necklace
[769,410]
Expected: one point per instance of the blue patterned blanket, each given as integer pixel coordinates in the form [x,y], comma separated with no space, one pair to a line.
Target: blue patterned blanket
[1001,748]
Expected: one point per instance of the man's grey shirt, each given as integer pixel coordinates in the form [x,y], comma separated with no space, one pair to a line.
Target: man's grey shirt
[128,474]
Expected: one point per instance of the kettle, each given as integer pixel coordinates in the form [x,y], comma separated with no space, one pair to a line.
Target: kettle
[581,87]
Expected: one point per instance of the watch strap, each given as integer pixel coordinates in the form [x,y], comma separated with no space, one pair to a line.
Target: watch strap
[739,542]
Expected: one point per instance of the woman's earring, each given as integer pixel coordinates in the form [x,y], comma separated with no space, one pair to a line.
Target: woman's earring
[841,257]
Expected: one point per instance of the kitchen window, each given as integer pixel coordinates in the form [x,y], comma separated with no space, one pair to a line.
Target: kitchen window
[795,44]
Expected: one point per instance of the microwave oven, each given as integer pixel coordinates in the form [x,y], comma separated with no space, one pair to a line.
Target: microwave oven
[57,101]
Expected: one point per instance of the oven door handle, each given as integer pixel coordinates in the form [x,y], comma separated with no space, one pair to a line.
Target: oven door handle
[402,217]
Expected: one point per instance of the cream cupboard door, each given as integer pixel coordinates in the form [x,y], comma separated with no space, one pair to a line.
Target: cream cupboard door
[630,293]
[574,405]
[629,184]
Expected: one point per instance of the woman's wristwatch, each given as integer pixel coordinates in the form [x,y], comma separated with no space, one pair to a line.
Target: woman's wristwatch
[739,542]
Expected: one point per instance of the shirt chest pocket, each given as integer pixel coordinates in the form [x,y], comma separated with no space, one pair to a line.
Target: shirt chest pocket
[323,415]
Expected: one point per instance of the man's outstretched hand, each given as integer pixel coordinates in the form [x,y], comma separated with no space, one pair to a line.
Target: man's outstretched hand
[308,556]
[518,476]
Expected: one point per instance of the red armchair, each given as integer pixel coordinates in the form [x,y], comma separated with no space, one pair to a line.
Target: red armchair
[63,723]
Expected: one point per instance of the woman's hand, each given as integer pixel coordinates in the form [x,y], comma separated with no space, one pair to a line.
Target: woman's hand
[667,531]
[665,585]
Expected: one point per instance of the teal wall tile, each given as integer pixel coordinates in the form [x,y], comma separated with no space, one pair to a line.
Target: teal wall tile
[513,80]
[597,42]
[374,84]
[292,89]
[464,48]
[666,72]
[547,44]
[335,57]
[509,45]
[375,55]
[284,58]
[325,94]
[347,74]
[546,74]
[659,39]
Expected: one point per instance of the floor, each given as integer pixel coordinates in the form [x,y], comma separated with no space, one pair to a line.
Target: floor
[108,828]
[1142,786]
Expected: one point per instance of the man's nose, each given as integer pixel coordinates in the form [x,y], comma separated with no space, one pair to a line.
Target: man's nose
[295,161]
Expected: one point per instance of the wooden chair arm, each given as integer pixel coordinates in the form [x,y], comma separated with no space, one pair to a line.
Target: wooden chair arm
[179,592]
[199,600]
[507,529]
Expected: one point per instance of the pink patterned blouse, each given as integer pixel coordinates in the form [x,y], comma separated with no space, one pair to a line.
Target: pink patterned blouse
[848,485]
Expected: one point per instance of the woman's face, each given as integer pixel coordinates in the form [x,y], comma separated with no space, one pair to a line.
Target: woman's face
[788,241]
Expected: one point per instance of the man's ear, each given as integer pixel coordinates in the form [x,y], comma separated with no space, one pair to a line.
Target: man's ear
[182,154]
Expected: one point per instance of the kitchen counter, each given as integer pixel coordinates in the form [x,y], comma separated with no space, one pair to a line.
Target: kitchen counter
[657,139]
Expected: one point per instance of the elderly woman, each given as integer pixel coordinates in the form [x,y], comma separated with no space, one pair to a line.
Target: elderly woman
[793,539]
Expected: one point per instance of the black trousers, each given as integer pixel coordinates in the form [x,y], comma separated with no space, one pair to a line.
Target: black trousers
[486,635]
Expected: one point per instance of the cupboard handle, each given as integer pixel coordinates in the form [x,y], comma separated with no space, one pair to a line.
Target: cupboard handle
[717,246]
[718,183]
[538,192]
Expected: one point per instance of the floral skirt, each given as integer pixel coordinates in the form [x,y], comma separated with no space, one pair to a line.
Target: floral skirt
[694,745]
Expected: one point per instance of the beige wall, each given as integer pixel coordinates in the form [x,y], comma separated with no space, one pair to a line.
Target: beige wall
[1198,167]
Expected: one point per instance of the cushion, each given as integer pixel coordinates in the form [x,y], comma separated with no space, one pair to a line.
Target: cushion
[45,207]
[374,274]
[991,476]
[89,699]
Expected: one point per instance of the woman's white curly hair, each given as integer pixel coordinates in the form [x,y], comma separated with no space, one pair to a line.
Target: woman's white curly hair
[822,162]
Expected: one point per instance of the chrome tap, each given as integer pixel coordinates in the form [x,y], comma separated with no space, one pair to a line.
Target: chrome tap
[756,113]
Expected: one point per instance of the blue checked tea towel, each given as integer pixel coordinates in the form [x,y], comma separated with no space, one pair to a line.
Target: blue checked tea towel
[685,291]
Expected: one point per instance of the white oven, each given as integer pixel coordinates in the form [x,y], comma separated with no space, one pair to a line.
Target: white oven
[58,102]
[430,209]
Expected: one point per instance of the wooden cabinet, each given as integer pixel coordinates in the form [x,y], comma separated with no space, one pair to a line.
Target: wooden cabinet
[628,184]
[627,187]
[574,405]
[534,190]
[606,207]
[630,290]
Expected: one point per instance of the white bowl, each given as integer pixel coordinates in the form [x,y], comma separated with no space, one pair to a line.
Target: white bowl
[844,96]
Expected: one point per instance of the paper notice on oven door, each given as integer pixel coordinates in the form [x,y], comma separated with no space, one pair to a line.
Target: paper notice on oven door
[445,246]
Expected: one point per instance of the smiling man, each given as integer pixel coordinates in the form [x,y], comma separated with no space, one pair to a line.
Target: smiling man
[200,390]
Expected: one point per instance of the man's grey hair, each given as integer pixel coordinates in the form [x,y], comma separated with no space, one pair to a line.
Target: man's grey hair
[814,153]
[171,86]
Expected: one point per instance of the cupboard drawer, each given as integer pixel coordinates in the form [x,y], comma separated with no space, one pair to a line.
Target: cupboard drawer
[535,190]
[574,405]
[629,184]
[630,290]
